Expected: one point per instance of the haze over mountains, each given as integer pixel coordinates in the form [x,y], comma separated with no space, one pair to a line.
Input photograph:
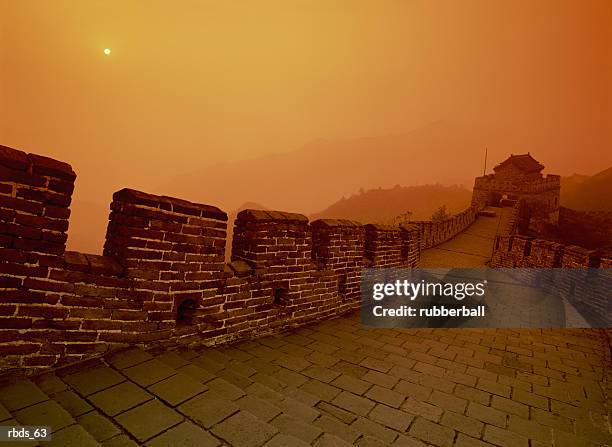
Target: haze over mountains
[383,205]
[311,179]
[581,192]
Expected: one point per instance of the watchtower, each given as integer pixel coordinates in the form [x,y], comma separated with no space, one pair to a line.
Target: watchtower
[520,178]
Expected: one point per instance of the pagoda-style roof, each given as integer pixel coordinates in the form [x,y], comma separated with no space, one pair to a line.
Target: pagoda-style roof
[523,162]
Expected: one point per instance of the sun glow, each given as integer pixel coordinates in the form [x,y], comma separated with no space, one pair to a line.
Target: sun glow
[107,51]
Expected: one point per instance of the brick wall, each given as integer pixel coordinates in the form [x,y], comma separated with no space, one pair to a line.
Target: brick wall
[162,279]
[592,229]
[561,269]
[432,233]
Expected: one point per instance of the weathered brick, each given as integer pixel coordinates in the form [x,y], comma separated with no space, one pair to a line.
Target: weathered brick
[533,400]
[487,414]
[493,387]
[530,429]
[353,403]
[510,406]
[390,417]
[448,401]
[432,433]
[19,349]
[461,423]
[504,438]
[467,441]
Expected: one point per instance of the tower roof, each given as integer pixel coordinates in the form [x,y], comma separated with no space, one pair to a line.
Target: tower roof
[524,162]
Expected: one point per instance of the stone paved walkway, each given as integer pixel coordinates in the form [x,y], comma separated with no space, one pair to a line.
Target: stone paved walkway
[336,384]
[473,247]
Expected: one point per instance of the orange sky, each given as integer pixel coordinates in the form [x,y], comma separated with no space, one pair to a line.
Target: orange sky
[192,83]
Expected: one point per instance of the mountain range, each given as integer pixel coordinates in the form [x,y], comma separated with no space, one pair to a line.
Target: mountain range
[311,179]
[384,205]
[584,193]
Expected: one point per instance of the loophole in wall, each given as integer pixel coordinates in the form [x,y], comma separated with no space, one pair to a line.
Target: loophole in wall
[185,312]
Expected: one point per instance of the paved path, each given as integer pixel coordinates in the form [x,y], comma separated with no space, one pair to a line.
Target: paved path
[471,248]
[337,384]
[334,384]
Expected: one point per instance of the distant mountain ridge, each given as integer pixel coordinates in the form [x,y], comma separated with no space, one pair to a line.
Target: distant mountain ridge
[307,179]
[310,178]
[584,193]
[383,205]
[317,174]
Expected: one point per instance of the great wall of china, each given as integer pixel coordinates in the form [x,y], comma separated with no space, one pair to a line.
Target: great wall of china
[162,280]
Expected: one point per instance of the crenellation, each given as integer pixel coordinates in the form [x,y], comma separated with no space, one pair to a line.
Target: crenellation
[538,262]
[163,281]
[383,246]
[411,245]
[339,246]
[432,233]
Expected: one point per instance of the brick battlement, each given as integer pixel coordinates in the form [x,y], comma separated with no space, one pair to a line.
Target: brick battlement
[432,233]
[162,279]
[541,182]
[488,184]
[536,261]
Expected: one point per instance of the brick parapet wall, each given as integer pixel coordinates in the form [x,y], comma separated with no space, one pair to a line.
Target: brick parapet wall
[339,246]
[545,183]
[432,233]
[411,245]
[585,228]
[162,280]
[561,269]
[383,246]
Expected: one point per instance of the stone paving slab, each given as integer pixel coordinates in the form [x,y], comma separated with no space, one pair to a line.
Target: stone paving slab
[148,420]
[93,380]
[119,398]
[244,430]
[177,389]
[73,436]
[21,394]
[98,426]
[186,434]
[48,413]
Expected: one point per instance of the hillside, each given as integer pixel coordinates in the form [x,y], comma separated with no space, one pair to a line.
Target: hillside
[588,193]
[311,177]
[383,205]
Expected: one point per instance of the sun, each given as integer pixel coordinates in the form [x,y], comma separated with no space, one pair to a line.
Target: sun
[107,51]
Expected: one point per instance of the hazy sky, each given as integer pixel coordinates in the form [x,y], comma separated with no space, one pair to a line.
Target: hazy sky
[190,83]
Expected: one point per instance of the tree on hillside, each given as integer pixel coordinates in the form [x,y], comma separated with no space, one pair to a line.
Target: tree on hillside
[440,214]
[402,218]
